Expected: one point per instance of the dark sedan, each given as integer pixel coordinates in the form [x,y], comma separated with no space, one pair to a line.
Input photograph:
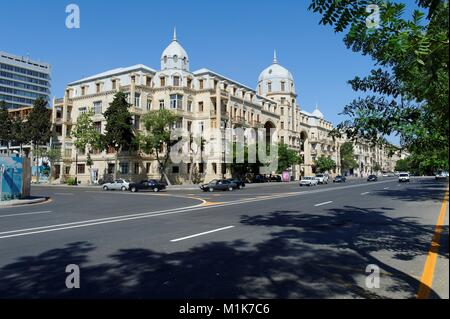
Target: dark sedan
[239,182]
[372,178]
[219,185]
[260,179]
[151,184]
[339,179]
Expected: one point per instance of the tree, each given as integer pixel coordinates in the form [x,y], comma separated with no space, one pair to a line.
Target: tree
[54,156]
[377,167]
[287,158]
[5,125]
[324,164]
[196,146]
[242,169]
[156,140]
[409,88]
[348,160]
[402,165]
[20,133]
[86,136]
[39,128]
[119,127]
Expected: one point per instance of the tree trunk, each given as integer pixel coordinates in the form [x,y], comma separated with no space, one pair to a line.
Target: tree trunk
[37,164]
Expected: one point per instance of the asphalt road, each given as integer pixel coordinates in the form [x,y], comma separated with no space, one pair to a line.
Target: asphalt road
[266,241]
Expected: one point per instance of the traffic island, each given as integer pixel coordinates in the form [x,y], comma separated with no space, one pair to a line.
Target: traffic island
[20,202]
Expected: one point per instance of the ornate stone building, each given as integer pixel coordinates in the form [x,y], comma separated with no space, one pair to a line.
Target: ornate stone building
[202,98]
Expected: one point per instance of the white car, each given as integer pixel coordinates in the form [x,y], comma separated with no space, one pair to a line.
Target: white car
[308,181]
[322,178]
[441,175]
[120,184]
[403,177]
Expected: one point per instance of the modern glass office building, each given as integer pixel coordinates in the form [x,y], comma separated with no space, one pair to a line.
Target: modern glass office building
[23,80]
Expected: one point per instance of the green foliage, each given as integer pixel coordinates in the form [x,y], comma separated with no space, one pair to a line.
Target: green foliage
[89,161]
[71,181]
[5,123]
[403,165]
[377,167]
[324,164]
[287,158]
[85,133]
[348,160]
[119,124]
[38,123]
[422,164]
[19,129]
[245,168]
[408,92]
[158,125]
[53,154]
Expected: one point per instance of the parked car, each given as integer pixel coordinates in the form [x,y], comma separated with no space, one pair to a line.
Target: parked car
[239,182]
[274,178]
[339,179]
[403,177]
[119,184]
[308,181]
[259,179]
[152,184]
[441,175]
[372,178]
[322,178]
[219,185]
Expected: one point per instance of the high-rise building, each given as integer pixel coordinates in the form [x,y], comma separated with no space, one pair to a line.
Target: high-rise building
[23,80]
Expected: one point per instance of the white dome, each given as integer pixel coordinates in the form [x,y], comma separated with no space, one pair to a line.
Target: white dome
[276,78]
[174,56]
[275,71]
[317,113]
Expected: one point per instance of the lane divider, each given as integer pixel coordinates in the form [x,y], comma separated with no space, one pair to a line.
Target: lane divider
[324,203]
[200,234]
[426,281]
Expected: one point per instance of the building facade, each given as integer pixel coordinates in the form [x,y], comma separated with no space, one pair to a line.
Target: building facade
[204,100]
[23,80]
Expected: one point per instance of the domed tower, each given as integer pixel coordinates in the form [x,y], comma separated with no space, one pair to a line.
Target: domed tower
[276,82]
[174,56]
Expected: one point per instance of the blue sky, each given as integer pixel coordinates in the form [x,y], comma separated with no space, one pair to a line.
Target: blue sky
[234,38]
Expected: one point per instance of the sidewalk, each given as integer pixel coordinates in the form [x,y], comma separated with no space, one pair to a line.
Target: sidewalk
[19,202]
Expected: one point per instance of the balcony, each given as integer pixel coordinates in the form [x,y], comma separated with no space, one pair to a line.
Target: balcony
[224,113]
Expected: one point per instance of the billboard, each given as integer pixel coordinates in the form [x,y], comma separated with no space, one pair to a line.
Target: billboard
[11,177]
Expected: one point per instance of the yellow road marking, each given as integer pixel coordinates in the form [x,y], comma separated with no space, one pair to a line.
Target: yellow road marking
[206,203]
[428,271]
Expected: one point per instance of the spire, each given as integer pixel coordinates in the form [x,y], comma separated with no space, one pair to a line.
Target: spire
[174,34]
[317,106]
[275,61]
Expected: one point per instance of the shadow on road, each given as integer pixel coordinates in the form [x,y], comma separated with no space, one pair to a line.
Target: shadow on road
[304,256]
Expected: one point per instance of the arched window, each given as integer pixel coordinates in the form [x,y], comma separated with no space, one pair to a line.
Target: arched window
[269,87]
[165,59]
[175,58]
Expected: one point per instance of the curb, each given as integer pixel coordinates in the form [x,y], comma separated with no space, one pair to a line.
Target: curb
[23,202]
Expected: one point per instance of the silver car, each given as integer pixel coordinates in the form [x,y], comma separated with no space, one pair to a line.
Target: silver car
[308,181]
[119,184]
